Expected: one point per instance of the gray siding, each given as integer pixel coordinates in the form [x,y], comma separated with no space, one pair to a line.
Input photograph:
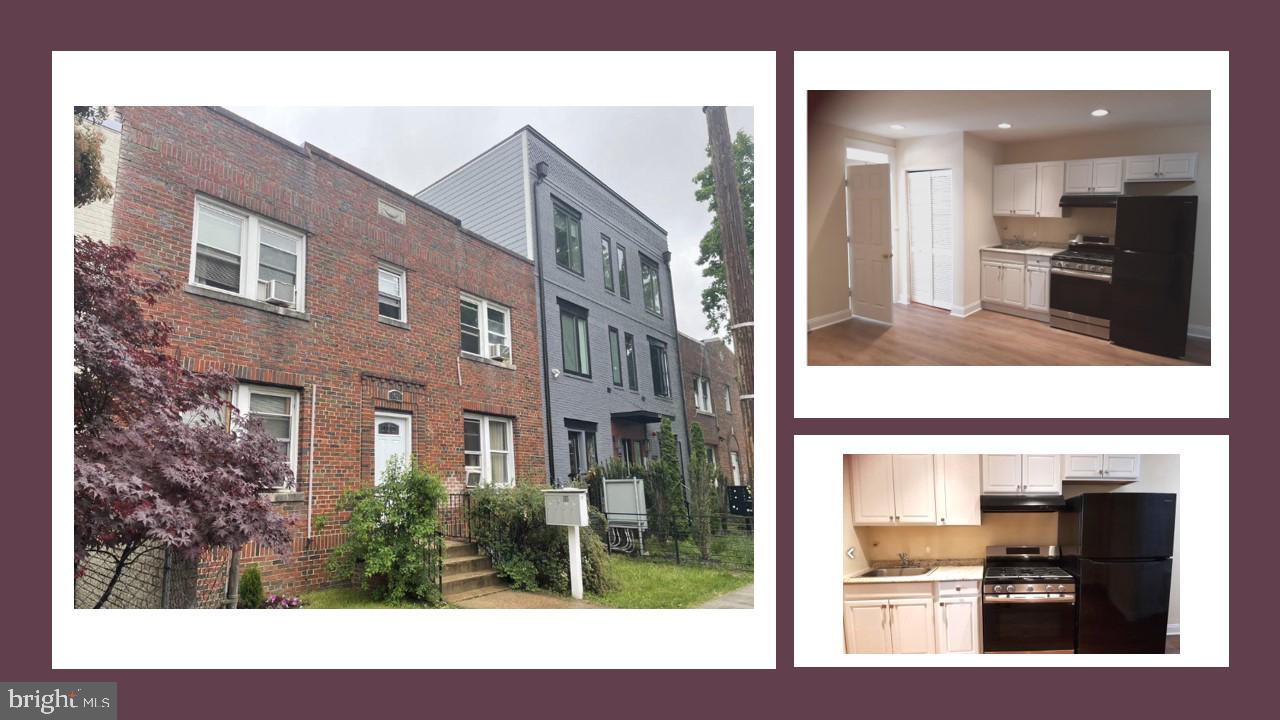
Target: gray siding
[486,194]
[596,399]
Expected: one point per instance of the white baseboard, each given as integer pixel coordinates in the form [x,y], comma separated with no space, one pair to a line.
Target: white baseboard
[829,319]
[1175,629]
[966,310]
[1198,331]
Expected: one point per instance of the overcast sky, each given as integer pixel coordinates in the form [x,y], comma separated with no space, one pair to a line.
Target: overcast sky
[648,155]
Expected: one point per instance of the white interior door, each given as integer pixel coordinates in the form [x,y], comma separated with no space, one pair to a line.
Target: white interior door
[391,439]
[930,230]
[871,241]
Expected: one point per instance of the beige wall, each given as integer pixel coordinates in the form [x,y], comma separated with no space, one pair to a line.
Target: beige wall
[935,152]
[980,158]
[1159,474]
[828,281]
[859,561]
[1150,141]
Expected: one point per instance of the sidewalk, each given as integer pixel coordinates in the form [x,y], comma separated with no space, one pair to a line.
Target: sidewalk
[743,597]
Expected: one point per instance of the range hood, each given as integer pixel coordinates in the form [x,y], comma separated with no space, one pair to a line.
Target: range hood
[1075,201]
[1023,503]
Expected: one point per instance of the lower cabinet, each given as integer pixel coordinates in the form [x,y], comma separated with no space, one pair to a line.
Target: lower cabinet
[913,618]
[957,624]
[1015,283]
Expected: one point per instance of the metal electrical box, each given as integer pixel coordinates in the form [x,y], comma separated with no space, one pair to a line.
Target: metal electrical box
[567,506]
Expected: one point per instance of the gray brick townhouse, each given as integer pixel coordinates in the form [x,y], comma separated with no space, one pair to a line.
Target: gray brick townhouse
[610,351]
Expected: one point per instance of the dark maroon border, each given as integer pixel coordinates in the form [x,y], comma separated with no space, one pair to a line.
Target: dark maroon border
[662,24]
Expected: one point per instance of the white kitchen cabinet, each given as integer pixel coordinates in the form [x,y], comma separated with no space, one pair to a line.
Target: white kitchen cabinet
[992,288]
[1160,168]
[958,489]
[1040,475]
[913,487]
[1002,190]
[1001,474]
[866,627]
[911,625]
[1012,283]
[1038,289]
[957,619]
[1101,468]
[1049,179]
[893,490]
[1015,190]
[1093,177]
[872,489]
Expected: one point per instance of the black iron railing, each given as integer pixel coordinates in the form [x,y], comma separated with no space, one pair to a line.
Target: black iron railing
[454,517]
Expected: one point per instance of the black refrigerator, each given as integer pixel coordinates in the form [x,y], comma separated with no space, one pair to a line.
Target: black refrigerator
[1119,547]
[1151,279]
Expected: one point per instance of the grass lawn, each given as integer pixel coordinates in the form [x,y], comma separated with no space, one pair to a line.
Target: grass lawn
[645,584]
[349,598]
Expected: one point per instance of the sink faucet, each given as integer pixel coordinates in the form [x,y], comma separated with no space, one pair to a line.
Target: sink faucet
[905,559]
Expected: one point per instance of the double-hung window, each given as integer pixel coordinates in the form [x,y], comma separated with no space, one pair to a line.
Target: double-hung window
[486,328]
[728,401]
[658,363]
[606,250]
[277,410]
[650,285]
[624,288]
[575,342]
[568,227]
[633,375]
[702,395]
[241,253]
[615,356]
[391,293]
[487,451]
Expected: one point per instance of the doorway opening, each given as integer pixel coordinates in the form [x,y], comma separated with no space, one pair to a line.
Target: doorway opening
[869,230]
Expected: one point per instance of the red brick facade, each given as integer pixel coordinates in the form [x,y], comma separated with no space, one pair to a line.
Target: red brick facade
[337,348]
[721,426]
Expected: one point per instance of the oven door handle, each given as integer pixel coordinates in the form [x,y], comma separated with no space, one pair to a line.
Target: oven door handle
[1081,274]
[1027,599]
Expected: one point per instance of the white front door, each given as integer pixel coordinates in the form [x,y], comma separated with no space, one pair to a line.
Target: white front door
[391,439]
[871,241]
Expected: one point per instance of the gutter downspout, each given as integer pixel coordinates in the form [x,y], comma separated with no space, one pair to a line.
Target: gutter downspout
[541,171]
[311,462]
[681,410]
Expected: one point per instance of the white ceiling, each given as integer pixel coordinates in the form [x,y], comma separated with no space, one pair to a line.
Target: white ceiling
[1034,114]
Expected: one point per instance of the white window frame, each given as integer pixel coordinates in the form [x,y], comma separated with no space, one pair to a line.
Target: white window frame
[728,400]
[702,395]
[384,267]
[244,390]
[250,243]
[485,467]
[734,463]
[482,317]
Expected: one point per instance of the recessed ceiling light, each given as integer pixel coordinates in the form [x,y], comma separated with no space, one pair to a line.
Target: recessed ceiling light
[1100,112]
[1004,126]
[896,126]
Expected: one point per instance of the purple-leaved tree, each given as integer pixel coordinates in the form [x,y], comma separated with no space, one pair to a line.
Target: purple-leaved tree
[161,458]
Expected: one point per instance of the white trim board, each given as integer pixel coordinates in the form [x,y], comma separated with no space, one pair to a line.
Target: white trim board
[1198,331]
[966,310]
[821,321]
[1174,629]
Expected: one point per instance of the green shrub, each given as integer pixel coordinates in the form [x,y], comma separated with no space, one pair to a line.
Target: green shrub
[250,594]
[392,535]
[510,525]
[704,494]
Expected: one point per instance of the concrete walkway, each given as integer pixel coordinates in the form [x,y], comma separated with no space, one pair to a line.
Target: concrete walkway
[518,600]
[743,597]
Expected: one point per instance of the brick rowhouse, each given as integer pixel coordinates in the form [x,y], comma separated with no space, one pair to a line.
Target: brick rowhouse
[331,347]
[717,411]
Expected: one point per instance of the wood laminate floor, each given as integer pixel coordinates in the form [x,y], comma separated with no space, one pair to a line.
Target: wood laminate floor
[923,335]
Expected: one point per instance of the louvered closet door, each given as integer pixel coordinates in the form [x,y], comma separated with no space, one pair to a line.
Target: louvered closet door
[920,217]
[930,218]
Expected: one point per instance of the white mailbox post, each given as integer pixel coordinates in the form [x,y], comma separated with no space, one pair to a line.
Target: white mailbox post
[568,507]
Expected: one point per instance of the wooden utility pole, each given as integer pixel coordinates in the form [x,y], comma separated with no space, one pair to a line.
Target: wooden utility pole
[737,267]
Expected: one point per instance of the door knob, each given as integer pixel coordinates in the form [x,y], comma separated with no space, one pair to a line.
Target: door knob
[886,256]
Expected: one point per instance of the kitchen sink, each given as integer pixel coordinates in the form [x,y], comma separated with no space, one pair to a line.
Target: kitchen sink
[897,572]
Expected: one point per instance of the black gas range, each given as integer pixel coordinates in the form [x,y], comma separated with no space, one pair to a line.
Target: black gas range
[1080,287]
[1028,601]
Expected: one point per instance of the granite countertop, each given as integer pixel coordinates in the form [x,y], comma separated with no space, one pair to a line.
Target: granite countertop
[1045,250]
[940,573]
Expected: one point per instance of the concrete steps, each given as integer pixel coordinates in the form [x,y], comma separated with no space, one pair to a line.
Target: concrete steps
[468,572]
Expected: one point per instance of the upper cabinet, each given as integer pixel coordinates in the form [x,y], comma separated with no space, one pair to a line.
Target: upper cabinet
[958,489]
[1160,168]
[1015,190]
[1049,179]
[1096,176]
[1101,468]
[893,490]
[1021,475]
